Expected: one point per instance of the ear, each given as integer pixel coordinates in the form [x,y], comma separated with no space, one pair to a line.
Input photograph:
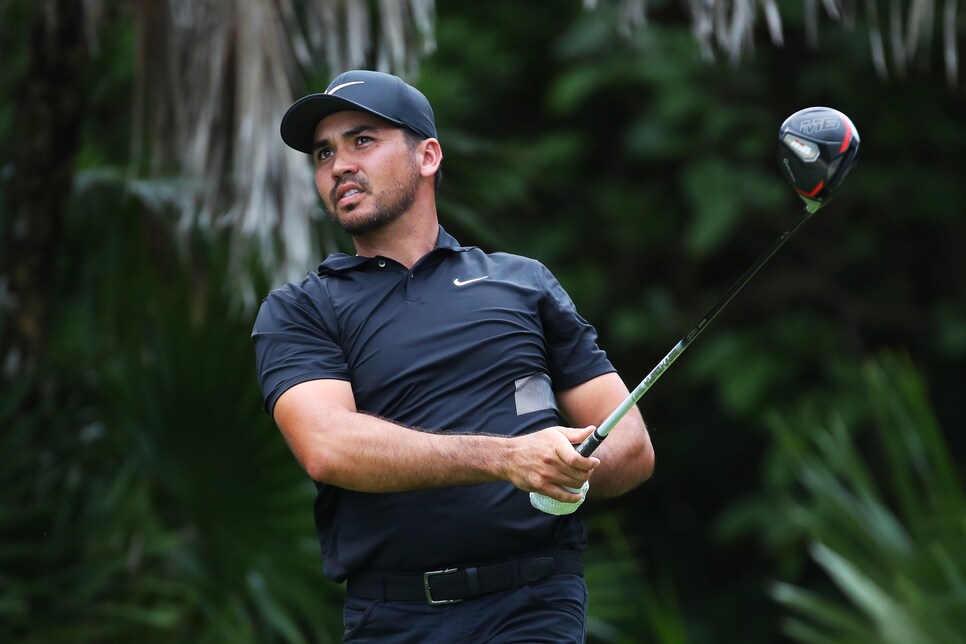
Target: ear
[429,155]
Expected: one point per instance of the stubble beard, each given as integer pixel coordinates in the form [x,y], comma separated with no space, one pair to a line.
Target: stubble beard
[385,209]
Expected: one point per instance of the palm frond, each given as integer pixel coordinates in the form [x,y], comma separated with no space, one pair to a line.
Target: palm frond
[887,546]
[893,621]
[214,77]
[727,28]
[213,81]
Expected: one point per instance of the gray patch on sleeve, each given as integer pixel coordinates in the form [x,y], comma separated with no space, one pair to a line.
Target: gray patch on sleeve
[534,393]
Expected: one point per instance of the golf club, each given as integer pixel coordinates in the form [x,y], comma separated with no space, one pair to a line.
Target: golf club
[817,148]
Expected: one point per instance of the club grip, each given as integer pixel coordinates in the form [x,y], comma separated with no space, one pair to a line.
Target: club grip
[590,444]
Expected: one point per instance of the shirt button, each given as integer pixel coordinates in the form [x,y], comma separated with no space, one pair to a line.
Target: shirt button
[382,263]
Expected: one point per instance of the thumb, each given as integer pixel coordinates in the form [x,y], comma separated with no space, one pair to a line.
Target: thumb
[576,435]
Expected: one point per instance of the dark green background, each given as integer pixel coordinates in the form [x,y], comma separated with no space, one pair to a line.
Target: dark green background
[146,495]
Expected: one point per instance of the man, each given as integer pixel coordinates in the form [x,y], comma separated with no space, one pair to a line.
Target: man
[423,386]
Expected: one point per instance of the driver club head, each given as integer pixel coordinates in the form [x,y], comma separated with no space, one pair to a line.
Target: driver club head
[817,147]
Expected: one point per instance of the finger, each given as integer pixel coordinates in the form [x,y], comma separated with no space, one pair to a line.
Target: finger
[567,496]
[564,493]
[576,435]
[571,476]
[568,453]
[574,464]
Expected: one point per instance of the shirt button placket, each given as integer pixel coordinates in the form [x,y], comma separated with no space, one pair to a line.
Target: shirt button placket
[411,294]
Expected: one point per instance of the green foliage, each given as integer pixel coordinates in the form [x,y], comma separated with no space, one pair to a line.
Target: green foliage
[147,497]
[625,607]
[147,484]
[886,523]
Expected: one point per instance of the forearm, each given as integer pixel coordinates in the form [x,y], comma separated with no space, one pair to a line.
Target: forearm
[340,446]
[626,458]
[369,454]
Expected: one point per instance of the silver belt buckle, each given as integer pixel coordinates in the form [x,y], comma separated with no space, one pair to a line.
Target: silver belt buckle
[429,593]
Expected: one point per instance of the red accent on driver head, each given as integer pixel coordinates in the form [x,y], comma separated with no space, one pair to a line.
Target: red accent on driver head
[848,135]
[815,191]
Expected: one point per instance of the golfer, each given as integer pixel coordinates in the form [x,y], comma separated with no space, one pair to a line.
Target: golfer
[427,387]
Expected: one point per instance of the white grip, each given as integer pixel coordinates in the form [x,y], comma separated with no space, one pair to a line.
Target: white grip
[553,506]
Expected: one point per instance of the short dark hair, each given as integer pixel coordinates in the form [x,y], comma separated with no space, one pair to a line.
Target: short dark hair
[413,139]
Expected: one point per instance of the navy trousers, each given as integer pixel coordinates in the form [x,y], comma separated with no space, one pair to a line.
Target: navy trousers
[552,610]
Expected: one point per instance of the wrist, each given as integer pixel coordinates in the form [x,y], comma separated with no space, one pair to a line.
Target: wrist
[495,459]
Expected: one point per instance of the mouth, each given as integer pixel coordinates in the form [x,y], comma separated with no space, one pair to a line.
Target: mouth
[347,193]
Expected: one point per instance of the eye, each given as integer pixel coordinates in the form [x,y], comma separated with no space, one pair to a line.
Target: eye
[362,140]
[323,153]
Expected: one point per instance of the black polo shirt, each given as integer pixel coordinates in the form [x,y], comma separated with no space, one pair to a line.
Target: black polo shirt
[465,342]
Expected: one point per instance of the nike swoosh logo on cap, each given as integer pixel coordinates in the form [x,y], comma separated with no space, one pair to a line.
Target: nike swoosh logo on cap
[338,87]
[475,279]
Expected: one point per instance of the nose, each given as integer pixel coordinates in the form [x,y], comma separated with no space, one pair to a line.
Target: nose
[344,163]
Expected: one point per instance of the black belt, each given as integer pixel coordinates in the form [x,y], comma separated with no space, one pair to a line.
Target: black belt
[453,585]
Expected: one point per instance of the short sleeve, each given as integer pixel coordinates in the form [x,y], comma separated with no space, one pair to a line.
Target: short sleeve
[571,341]
[296,339]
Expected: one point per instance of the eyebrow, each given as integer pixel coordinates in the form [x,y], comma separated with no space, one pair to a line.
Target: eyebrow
[348,134]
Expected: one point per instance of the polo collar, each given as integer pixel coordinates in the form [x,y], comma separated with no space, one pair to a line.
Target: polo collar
[340,262]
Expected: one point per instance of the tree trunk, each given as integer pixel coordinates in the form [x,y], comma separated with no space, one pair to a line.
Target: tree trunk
[44,138]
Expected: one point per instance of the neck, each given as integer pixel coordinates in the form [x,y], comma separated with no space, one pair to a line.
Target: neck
[405,240]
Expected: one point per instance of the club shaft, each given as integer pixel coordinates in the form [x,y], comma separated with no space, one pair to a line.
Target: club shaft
[596,438]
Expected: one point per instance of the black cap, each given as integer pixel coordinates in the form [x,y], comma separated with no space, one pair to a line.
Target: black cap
[384,95]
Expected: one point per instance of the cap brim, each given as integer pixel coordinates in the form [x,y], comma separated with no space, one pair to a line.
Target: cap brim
[301,119]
